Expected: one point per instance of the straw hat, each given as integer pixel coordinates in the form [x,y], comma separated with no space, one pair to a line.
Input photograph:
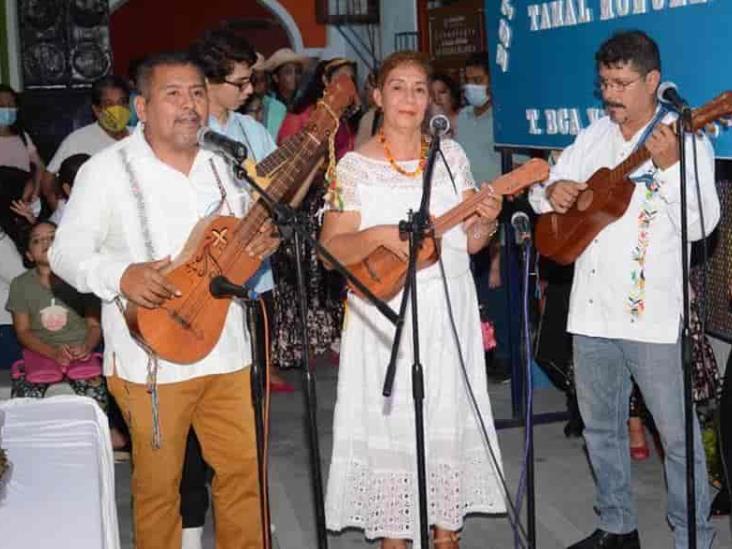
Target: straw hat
[259,63]
[282,57]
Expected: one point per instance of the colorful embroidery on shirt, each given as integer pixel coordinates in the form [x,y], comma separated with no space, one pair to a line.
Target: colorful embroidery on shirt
[636,300]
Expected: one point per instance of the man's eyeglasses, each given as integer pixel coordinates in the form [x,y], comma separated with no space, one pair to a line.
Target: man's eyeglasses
[617,85]
[241,85]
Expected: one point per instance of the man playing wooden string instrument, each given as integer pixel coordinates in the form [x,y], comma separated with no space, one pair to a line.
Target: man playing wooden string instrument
[133,207]
[626,301]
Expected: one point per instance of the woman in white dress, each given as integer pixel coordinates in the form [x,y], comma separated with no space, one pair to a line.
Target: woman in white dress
[372,484]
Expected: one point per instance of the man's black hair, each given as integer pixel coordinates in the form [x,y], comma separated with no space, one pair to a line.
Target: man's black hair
[632,47]
[220,48]
[105,82]
[478,59]
[69,168]
[171,58]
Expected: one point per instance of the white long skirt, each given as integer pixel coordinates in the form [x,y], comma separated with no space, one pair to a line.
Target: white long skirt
[372,483]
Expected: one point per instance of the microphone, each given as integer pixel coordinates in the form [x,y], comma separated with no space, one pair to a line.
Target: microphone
[220,286]
[230,148]
[521,227]
[439,125]
[668,93]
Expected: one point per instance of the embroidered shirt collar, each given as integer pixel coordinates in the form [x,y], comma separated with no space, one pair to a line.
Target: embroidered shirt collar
[138,148]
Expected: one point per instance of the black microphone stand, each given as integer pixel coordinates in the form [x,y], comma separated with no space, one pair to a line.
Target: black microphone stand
[524,241]
[416,227]
[219,286]
[293,225]
[684,126]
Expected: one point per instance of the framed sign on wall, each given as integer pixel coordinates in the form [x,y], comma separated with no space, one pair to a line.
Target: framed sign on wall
[543,68]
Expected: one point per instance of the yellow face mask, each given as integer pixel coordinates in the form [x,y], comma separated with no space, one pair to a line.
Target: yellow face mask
[114,119]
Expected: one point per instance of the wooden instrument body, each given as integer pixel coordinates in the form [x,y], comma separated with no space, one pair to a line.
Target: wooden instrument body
[563,237]
[184,329]
[184,333]
[384,273]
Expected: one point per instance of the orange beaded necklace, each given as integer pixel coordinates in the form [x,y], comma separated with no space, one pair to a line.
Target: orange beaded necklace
[390,157]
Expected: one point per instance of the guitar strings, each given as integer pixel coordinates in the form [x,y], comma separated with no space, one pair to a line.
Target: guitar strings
[199,293]
[188,309]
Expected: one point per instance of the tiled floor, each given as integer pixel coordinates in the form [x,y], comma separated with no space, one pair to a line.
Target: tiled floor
[564,487]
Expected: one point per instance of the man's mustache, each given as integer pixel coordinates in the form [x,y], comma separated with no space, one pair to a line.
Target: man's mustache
[611,104]
[189,117]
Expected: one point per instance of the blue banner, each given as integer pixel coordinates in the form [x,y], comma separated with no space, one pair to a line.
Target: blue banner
[543,68]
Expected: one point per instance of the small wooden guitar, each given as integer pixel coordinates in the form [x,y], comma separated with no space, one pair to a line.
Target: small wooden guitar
[563,237]
[384,273]
[185,329]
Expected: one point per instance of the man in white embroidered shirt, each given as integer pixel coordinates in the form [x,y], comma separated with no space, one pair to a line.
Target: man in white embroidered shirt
[116,240]
[626,302]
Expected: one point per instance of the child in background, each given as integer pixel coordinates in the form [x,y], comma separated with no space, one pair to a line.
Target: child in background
[15,185]
[57,327]
[66,176]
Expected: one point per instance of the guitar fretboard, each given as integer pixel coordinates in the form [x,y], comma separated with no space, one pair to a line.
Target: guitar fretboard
[622,170]
[531,172]
[286,167]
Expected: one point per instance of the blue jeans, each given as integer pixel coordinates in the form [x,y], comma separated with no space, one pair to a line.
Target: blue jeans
[602,370]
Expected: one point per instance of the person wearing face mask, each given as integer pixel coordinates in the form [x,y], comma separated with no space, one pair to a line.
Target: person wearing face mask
[475,123]
[476,120]
[16,148]
[110,97]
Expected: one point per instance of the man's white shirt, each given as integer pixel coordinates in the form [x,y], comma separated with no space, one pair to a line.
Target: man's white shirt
[599,302]
[89,139]
[101,234]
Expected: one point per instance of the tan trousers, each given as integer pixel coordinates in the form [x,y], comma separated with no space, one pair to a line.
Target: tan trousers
[219,408]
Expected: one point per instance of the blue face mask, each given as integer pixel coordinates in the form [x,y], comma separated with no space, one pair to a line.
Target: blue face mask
[475,94]
[8,116]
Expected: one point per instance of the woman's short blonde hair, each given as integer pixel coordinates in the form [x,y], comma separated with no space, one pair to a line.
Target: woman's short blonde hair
[400,58]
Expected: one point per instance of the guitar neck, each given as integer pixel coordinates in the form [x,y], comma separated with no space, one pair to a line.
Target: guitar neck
[700,117]
[280,156]
[508,184]
[626,167]
[459,213]
[286,167]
